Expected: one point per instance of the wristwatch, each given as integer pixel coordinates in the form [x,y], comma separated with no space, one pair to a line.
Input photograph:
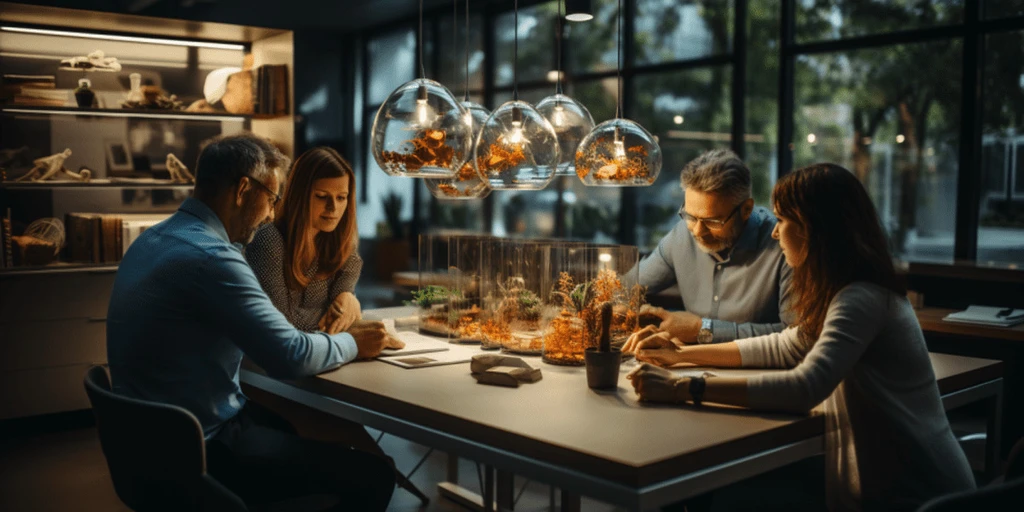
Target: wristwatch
[705,335]
[697,385]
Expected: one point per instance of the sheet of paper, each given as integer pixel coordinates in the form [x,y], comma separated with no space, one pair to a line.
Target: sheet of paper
[415,343]
[456,354]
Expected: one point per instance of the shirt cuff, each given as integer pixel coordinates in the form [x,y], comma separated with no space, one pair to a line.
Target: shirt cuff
[347,344]
[723,331]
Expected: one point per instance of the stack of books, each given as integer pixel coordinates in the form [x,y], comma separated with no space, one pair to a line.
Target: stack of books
[33,90]
[271,83]
[987,315]
[105,237]
[6,242]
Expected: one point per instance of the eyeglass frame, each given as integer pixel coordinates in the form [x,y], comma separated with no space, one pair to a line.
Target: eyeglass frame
[712,224]
[276,196]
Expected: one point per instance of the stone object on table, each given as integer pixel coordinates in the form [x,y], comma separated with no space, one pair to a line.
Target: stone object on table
[502,370]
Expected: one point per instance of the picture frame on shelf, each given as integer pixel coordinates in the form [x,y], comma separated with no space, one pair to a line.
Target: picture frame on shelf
[119,158]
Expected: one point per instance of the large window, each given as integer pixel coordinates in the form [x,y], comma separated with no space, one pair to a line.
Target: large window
[884,88]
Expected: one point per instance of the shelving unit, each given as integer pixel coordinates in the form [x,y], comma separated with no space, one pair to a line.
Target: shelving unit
[53,317]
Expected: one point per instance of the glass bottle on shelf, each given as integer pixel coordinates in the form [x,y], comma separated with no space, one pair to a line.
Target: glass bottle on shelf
[134,98]
[84,95]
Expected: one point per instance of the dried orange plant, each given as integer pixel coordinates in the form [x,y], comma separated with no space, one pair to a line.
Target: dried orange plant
[427,148]
[613,168]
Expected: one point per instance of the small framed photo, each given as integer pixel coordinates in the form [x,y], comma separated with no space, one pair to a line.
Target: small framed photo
[119,157]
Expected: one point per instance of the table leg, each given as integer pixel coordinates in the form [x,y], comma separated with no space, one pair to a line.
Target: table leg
[506,491]
[993,441]
[570,501]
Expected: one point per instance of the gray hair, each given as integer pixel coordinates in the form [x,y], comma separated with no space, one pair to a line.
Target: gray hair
[224,160]
[718,171]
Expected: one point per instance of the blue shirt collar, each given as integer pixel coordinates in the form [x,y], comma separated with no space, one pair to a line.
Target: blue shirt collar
[200,210]
[750,238]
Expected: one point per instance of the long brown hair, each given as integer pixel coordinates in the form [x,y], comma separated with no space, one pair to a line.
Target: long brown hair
[331,250]
[845,241]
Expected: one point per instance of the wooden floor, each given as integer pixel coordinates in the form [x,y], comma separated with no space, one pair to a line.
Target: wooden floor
[56,465]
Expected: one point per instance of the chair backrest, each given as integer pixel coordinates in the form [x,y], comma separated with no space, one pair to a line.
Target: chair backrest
[1005,496]
[156,452]
[1015,462]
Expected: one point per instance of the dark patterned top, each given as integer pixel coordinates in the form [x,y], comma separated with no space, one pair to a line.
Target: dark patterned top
[303,308]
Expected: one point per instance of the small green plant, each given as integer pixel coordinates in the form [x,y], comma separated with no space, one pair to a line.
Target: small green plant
[529,304]
[432,294]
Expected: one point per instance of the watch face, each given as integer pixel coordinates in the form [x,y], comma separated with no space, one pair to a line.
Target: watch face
[705,336]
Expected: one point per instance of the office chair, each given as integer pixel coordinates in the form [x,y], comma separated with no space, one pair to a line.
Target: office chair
[1006,493]
[156,453]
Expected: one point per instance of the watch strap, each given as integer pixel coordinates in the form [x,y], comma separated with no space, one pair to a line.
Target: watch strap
[697,385]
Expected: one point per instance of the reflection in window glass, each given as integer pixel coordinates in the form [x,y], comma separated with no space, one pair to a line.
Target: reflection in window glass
[762,98]
[452,55]
[890,115]
[392,63]
[590,45]
[669,30]
[370,214]
[592,213]
[816,20]
[689,111]
[1001,215]
[1003,8]
[536,44]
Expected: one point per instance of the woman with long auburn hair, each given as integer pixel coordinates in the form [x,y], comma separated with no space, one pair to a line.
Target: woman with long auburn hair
[856,348]
[306,260]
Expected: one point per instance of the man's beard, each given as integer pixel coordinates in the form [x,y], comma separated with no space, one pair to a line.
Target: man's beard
[721,243]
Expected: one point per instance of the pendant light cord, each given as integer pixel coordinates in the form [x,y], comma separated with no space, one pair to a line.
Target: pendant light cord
[558,50]
[515,53]
[423,71]
[618,57]
[467,51]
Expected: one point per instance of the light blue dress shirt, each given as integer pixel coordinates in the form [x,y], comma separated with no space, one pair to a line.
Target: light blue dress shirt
[743,293]
[186,306]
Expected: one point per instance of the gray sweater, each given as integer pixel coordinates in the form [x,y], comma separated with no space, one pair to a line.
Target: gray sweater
[889,444]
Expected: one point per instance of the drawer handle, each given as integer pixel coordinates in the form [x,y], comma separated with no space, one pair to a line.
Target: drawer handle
[96,319]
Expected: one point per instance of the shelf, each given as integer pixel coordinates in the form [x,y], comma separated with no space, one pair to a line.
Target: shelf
[59,268]
[97,183]
[127,113]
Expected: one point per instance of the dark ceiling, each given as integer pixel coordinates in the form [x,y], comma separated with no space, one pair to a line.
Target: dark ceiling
[335,15]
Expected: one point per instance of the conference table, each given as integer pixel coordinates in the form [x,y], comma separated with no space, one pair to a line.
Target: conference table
[602,444]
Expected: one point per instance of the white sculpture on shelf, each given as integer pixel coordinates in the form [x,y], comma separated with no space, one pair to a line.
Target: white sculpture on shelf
[179,172]
[95,61]
[48,167]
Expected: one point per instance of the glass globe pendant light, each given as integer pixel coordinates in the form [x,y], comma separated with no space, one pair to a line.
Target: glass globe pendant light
[517,149]
[419,131]
[570,119]
[618,152]
[467,183]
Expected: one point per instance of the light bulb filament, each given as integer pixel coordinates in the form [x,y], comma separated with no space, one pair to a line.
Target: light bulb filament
[516,137]
[424,114]
[619,150]
[559,115]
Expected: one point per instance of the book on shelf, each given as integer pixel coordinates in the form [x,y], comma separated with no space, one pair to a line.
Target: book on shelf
[105,237]
[271,94]
[6,243]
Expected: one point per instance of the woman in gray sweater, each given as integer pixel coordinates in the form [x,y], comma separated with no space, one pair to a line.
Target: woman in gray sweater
[856,349]
[306,260]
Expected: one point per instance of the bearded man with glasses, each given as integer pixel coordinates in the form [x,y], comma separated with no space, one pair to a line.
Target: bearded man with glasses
[732,277]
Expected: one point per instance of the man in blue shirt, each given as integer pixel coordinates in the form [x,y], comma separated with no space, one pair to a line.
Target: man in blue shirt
[731,275]
[186,306]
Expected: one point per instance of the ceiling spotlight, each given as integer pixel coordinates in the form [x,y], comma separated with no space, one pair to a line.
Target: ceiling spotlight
[578,10]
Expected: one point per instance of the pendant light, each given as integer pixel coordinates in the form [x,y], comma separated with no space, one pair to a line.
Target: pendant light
[579,10]
[619,152]
[517,149]
[467,183]
[570,119]
[419,130]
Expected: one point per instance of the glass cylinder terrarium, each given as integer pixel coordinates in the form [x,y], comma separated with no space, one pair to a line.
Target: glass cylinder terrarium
[436,290]
[511,285]
[584,279]
[465,274]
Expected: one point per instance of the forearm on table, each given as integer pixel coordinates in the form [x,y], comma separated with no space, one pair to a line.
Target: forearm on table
[720,355]
[718,390]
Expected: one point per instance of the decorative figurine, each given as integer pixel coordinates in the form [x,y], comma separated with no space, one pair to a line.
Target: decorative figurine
[49,166]
[179,173]
[95,61]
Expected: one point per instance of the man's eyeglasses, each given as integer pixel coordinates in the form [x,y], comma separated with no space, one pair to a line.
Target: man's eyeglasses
[708,223]
[275,195]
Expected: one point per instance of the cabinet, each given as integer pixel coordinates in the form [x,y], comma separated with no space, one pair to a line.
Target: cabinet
[53,293]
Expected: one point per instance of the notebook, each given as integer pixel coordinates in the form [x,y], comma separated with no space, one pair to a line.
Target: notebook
[987,315]
[415,343]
